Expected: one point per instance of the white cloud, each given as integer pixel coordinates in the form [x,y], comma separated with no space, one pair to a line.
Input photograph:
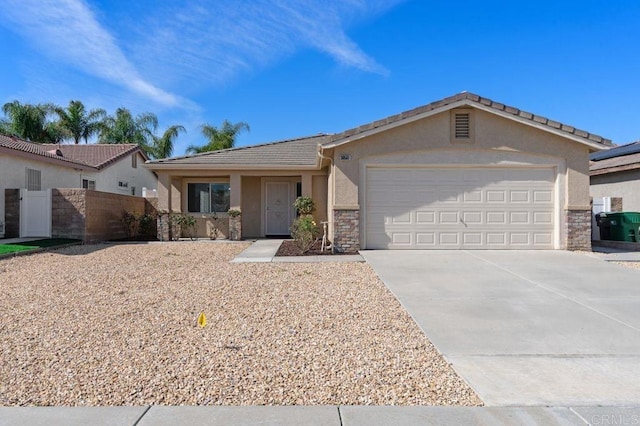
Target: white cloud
[188,44]
[68,30]
[214,40]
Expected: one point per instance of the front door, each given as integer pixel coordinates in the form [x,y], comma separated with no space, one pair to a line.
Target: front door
[278,207]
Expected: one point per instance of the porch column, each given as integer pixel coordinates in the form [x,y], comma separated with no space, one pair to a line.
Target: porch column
[176,195]
[235,203]
[164,206]
[164,192]
[307,185]
[235,182]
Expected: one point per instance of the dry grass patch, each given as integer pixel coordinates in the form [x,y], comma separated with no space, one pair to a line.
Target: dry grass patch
[116,325]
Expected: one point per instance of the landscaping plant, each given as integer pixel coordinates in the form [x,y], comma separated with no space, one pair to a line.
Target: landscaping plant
[305,230]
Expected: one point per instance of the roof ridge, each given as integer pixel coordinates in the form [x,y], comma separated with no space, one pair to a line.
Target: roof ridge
[239,148]
[486,102]
[46,150]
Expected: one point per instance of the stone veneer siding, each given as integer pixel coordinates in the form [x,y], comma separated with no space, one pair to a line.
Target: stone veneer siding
[235,228]
[346,231]
[11,213]
[578,229]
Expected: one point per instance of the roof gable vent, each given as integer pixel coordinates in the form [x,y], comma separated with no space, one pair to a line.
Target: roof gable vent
[462,125]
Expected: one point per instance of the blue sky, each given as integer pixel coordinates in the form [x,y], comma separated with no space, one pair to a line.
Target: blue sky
[302,67]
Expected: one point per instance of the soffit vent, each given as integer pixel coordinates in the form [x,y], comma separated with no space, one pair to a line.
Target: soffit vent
[462,125]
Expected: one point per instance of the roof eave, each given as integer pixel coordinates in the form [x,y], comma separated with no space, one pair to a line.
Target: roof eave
[45,159]
[201,166]
[614,169]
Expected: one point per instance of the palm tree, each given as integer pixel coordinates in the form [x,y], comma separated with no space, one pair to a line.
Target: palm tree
[77,123]
[124,128]
[163,146]
[223,138]
[30,122]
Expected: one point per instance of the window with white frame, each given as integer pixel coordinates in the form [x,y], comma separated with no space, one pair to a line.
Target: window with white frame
[89,184]
[34,180]
[208,197]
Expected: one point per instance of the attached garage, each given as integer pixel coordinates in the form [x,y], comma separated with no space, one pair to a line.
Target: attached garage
[464,172]
[459,208]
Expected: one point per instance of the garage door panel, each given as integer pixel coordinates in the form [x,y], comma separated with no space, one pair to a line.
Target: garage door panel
[519,196]
[494,196]
[473,196]
[449,239]
[542,218]
[448,218]
[472,239]
[425,217]
[451,208]
[425,239]
[519,218]
[472,217]
[543,197]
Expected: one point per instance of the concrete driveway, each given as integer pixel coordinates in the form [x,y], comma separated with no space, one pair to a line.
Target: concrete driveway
[525,327]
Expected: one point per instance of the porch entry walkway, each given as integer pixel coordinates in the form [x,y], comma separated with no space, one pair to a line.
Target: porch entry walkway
[262,251]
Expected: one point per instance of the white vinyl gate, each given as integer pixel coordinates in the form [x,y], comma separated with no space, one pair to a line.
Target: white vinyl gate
[35,213]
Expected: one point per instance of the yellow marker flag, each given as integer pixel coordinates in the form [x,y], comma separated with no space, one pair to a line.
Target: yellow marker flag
[202,320]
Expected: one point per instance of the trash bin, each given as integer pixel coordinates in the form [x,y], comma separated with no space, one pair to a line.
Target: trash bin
[624,226]
[603,222]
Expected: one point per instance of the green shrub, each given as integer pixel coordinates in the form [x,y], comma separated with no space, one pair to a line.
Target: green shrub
[305,232]
[304,205]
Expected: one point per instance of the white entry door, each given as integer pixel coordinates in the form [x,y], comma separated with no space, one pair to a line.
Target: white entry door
[35,213]
[278,205]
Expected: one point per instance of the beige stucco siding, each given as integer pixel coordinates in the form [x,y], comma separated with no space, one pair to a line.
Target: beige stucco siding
[493,136]
[107,179]
[172,191]
[13,176]
[251,206]
[625,184]
[320,197]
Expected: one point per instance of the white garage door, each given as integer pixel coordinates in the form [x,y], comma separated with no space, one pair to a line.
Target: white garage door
[484,208]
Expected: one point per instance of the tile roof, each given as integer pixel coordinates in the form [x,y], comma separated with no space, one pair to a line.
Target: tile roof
[96,156]
[293,152]
[480,101]
[620,158]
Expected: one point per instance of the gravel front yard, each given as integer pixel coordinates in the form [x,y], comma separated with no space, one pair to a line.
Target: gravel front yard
[116,325]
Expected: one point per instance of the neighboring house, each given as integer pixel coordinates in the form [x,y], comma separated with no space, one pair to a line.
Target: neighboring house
[616,173]
[464,172]
[108,168]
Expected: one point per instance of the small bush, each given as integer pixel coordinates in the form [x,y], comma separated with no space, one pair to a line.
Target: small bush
[139,225]
[304,205]
[305,232]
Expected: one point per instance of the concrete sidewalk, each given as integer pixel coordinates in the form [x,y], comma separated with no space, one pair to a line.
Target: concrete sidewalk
[262,251]
[316,415]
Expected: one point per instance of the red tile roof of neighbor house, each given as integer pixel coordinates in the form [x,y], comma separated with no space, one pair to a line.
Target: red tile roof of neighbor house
[95,156]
